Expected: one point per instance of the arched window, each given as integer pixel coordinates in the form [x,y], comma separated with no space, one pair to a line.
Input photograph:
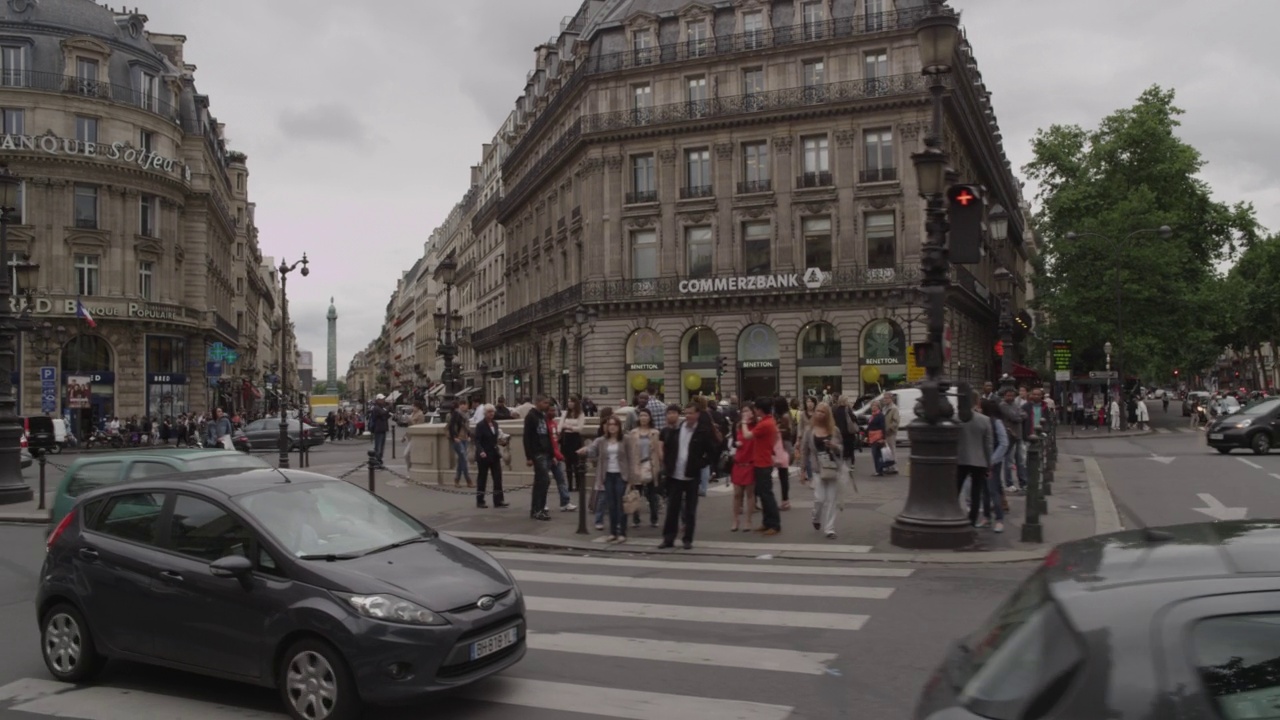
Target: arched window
[86,353]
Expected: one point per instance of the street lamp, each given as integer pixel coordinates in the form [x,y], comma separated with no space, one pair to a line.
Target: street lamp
[285,268]
[932,517]
[13,489]
[1005,280]
[1164,232]
[581,323]
[47,340]
[446,273]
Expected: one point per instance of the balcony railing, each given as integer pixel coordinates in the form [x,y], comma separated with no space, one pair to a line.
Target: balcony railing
[814,180]
[564,300]
[642,196]
[87,223]
[70,85]
[878,175]
[755,186]
[697,191]
[746,42]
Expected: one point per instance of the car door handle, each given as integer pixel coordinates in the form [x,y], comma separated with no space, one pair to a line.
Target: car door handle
[89,554]
[170,576]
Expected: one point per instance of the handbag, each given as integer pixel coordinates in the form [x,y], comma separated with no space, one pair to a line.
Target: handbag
[646,473]
[875,437]
[828,467]
[631,501]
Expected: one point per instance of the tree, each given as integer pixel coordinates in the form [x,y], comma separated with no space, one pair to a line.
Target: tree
[1133,173]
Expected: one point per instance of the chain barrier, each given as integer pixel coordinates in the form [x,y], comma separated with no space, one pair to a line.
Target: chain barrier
[450,490]
[353,471]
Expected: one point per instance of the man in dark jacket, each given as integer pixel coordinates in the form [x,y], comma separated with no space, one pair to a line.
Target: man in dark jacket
[538,453]
[379,422]
[686,450]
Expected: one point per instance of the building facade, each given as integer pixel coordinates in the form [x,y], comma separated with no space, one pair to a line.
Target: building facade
[133,205]
[730,186]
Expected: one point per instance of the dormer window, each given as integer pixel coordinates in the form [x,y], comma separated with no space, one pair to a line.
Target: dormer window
[699,39]
[753,29]
[87,76]
[814,17]
[642,46]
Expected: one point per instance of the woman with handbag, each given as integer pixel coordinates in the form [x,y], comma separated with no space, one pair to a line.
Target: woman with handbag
[821,459]
[875,437]
[646,460]
[613,463]
[743,474]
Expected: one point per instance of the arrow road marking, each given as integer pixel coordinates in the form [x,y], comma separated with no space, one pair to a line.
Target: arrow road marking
[1276,475]
[1250,463]
[1164,460]
[1216,510]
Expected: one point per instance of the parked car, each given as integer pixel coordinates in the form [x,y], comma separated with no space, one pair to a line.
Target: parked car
[281,579]
[1193,401]
[264,434]
[95,471]
[1256,427]
[1177,622]
[41,434]
[906,398]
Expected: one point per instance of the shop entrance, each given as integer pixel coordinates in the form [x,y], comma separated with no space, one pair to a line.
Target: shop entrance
[758,362]
[758,382]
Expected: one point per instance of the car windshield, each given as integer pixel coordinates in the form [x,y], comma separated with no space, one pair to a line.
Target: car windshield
[238,461]
[1263,408]
[331,520]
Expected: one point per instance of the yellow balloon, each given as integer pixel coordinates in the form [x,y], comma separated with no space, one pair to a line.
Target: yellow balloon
[639,382]
[870,374]
[692,381]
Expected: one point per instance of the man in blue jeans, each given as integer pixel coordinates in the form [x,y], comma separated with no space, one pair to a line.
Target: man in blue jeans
[379,422]
[539,454]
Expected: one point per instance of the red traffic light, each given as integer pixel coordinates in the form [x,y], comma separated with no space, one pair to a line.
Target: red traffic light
[964,197]
[999,348]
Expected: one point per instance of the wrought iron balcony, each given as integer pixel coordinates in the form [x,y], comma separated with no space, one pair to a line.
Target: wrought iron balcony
[878,175]
[755,186]
[87,223]
[57,82]
[642,196]
[697,191]
[814,180]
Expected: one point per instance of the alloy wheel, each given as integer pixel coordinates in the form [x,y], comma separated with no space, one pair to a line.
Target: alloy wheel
[312,685]
[63,643]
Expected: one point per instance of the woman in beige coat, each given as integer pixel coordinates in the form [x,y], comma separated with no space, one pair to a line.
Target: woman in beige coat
[645,450]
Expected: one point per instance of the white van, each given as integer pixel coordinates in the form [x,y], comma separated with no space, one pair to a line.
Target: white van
[906,398]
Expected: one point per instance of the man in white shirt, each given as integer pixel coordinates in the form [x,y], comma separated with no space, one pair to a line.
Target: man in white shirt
[687,448]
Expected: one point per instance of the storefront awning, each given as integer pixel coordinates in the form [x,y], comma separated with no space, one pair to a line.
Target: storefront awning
[1022,372]
[467,391]
[394,397]
[436,390]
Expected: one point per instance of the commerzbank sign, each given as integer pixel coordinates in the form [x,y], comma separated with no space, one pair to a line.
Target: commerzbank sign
[810,279]
[54,145]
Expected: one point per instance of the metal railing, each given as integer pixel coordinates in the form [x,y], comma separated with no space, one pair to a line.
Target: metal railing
[71,85]
[697,191]
[814,180]
[642,196]
[749,187]
[878,175]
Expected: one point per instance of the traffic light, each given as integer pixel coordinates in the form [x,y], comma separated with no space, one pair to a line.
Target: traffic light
[722,364]
[1175,372]
[999,348]
[516,381]
[965,213]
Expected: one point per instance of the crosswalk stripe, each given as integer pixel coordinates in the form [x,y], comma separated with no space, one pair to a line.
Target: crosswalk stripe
[1163,430]
[617,702]
[735,616]
[736,588]
[631,562]
[109,703]
[747,658]
[760,546]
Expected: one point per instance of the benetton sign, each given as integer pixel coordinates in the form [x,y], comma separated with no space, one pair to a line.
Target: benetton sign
[54,145]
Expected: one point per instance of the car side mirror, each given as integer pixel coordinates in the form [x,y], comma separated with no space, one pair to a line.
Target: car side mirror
[231,566]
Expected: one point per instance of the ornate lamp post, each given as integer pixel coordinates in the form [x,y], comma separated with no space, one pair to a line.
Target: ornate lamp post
[285,268]
[582,322]
[1164,232]
[47,340]
[1005,279]
[932,517]
[13,489]
[446,273]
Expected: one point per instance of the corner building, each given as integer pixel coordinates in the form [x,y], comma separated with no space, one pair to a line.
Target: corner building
[131,203]
[735,179]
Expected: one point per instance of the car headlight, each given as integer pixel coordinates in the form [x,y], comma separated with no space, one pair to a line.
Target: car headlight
[1245,424]
[390,608]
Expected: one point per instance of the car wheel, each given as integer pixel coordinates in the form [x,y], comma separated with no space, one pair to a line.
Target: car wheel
[1261,443]
[67,646]
[315,683]
[56,449]
[1224,451]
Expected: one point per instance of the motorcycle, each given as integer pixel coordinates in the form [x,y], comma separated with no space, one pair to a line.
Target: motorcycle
[101,439]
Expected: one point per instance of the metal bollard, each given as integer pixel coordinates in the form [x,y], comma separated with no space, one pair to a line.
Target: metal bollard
[372,487]
[41,458]
[393,441]
[1032,531]
[580,471]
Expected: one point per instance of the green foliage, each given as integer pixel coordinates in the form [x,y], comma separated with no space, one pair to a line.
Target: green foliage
[1133,173]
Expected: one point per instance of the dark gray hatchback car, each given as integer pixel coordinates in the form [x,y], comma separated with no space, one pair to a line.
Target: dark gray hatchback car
[280,579]
[1180,622]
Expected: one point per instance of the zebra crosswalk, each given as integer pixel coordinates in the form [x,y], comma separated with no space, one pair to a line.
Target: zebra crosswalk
[609,637]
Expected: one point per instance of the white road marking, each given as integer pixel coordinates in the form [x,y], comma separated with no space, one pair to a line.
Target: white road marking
[734,616]
[763,546]
[765,569]
[736,588]
[30,689]
[1163,430]
[1216,510]
[108,703]
[747,658]
[616,702]
[1250,463]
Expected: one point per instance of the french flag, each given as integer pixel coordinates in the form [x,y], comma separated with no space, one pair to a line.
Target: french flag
[83,312]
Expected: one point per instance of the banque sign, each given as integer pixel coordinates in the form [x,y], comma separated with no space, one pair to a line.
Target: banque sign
[54,145]
[140,311]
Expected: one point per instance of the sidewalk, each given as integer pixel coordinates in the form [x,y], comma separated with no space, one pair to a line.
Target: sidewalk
[863,527]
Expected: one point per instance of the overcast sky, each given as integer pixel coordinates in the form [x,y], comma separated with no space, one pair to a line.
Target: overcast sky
[361,119]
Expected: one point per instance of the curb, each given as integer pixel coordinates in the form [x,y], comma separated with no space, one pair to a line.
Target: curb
[36,518]
[1106,517]
[928,558]
[1115,434]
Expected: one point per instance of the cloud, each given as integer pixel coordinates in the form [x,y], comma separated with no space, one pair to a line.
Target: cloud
[326,122]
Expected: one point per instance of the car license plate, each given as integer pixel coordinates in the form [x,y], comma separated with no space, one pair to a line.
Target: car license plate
[494,643]
[1216,436]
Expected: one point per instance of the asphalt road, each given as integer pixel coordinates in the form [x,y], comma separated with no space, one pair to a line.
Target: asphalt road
[611,637]
[1174,477]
